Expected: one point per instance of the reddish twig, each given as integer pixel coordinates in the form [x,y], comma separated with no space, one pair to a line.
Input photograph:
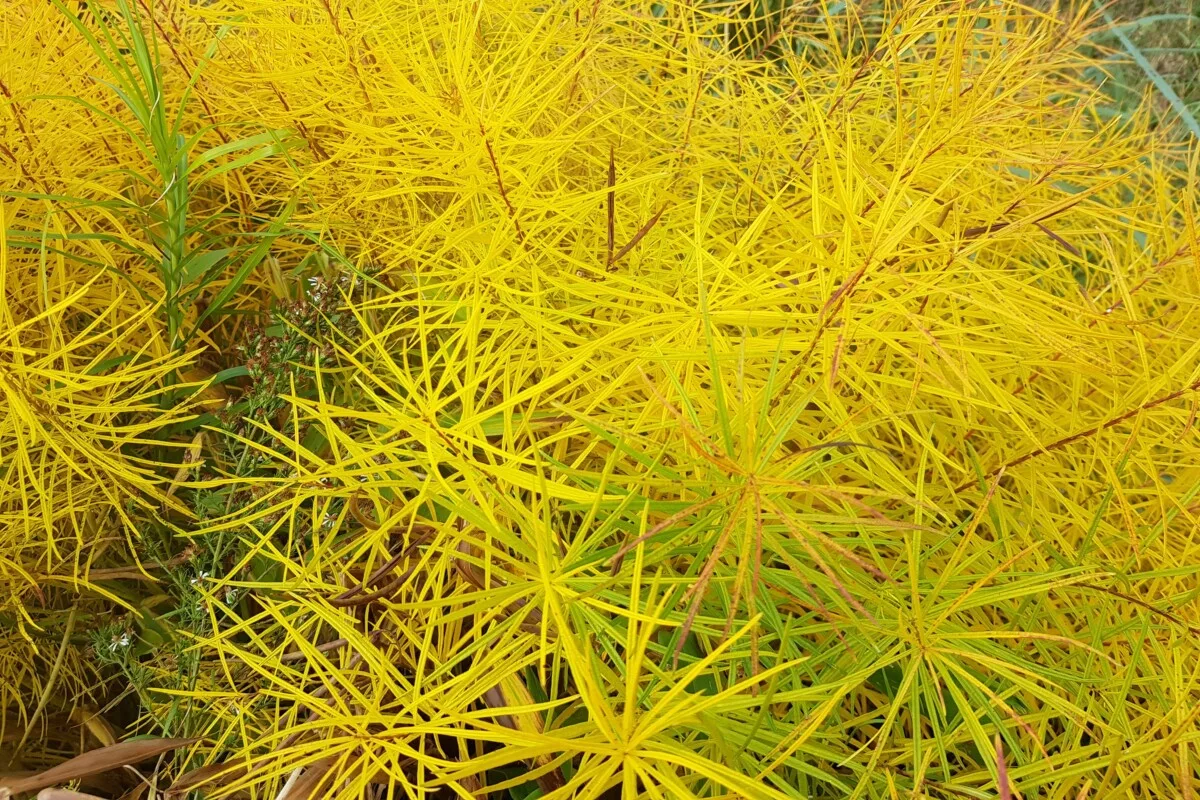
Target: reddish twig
[512,212]
[321,648]
[350,596]
[612,204]
[1092,431]
[1142,603]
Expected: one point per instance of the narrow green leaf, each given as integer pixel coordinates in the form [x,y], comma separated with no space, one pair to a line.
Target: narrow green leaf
[197,264]
[1160,83]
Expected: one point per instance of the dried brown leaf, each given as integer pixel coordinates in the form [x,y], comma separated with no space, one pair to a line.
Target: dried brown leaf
[65,794]
[307,782]
[210,774]
[97,761]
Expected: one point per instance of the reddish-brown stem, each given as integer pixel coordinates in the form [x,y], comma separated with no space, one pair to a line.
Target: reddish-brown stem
[512,212]
[1092,431]
[611,202]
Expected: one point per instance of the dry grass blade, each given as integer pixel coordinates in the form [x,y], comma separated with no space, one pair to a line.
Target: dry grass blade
[305,782]
[640,234]
[65,794]
[94,762]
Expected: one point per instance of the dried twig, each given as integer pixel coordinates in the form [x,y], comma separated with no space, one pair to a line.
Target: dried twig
[512,212]
[1092,431]
[612,205]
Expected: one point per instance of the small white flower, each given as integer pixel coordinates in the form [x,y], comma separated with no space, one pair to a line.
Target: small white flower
[328,521]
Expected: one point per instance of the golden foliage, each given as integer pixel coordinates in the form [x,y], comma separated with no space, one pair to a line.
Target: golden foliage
[663,401]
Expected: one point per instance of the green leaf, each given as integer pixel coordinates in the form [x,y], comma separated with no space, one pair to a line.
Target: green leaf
[101,367]
[1160,83]
[247,267]
[275,146]
[229,374]
[1145,22]
[198,264]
